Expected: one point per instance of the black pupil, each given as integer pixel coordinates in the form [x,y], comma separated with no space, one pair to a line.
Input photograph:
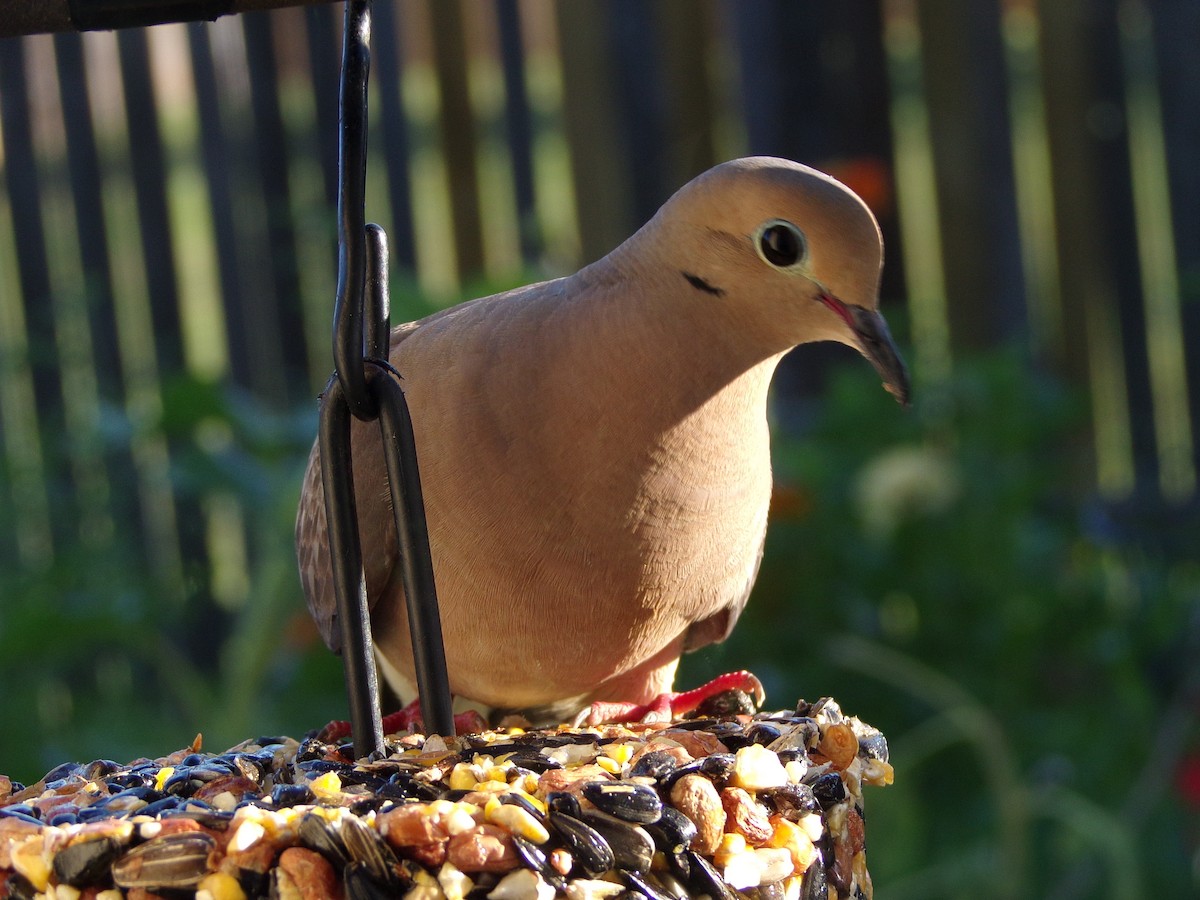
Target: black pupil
[780,245]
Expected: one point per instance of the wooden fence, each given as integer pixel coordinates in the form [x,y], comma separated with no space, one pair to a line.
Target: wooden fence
[166,216]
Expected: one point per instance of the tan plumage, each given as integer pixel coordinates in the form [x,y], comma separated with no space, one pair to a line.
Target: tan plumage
[594,449]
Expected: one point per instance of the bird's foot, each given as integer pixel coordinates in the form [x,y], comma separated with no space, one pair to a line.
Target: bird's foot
[669,706]
[407,719]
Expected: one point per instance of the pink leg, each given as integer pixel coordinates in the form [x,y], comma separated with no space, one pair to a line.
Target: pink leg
[669,705]
[407,719]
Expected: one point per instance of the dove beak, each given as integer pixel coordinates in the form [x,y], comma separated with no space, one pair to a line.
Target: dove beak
[875,343]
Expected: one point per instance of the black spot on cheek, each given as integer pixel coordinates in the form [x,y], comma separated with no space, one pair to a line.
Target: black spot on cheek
[701,285]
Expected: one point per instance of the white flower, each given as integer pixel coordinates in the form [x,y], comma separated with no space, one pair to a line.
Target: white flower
[905,483]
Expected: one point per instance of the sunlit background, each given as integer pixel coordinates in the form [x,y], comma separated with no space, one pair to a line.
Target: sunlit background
[1003,578]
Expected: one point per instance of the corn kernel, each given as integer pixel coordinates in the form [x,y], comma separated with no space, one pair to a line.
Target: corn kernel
[441,807]
[812,826]
[425,887]
[878,773]
[462,778]
[731,845]
[490,787]
[328,813]
[793,838]
[622,753]
[160,779]
[219,886]
[536,802]
[273,822]
[30,862]
[327,786]
[609,765]
[516,820]
[461,818]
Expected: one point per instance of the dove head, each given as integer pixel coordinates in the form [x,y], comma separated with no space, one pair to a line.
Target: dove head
[786,254]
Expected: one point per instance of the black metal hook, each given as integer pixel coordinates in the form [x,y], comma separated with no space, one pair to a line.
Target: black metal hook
[352,180]
[361,332]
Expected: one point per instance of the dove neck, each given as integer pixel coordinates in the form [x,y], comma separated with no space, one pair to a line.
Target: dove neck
[654,334]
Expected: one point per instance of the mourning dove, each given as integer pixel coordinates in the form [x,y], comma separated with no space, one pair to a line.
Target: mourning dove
[594,450]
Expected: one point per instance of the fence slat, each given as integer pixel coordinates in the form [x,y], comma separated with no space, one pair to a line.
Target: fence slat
[148,165]
[689,52]
[388,72]
[21,180]
[603,200]
[458,140]
[282,327]
[1077,110]
[84,164]
[217,177]
[324,65]
[1174,23]
[965,89]
[630,32]
[518,124]
[83,160]
[149,175]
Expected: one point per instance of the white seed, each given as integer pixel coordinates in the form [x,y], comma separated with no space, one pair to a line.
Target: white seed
[592,889]
[756,768]
[247,835]
[742,870]
[425,887]
[522,884]
[775,864]
[455,883]
[812,826]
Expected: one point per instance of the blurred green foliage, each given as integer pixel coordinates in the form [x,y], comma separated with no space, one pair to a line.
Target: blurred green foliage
[935,570]
[1030,661]
[99,658]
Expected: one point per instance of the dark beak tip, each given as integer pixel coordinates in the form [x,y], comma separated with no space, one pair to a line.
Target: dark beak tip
[901,393]
[877,345]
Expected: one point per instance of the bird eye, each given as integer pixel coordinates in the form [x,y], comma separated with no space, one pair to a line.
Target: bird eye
[781,243]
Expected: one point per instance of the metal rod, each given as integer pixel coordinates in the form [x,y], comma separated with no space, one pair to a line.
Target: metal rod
[352,169]
[354,621]
[377,295]
[19,17]
[361,331]
[416,561]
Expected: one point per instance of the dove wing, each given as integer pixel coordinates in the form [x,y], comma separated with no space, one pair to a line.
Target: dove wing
[378,543]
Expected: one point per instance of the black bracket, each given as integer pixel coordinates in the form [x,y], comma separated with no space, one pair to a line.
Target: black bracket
[93,15]
[369,391]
